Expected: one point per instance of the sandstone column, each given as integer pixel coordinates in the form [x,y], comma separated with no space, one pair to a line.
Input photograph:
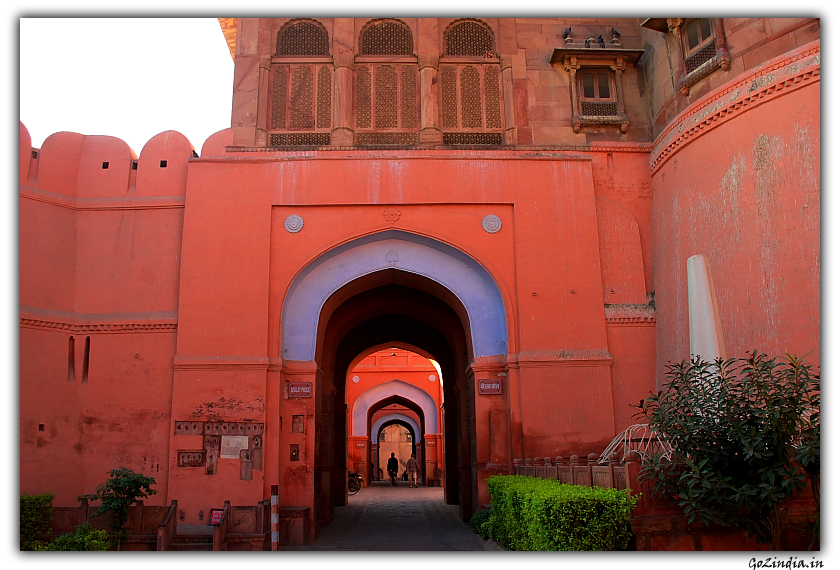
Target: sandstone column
[430,133]
[507,94]
[342,133]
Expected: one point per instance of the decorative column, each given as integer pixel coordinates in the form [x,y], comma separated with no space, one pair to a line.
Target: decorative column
[703,314]
[571,65]
[264,106]
[720,44]
[342,133]
[507,93]
[430,133]
[617,69]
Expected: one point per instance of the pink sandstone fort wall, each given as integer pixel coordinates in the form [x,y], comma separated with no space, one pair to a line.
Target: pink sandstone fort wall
[153,290]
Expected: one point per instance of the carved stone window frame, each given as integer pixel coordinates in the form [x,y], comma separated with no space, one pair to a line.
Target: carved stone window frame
[721,59]
[578,61]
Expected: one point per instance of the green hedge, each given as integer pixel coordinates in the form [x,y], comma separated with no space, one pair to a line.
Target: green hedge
[35,518]
[84,538]
[543,514]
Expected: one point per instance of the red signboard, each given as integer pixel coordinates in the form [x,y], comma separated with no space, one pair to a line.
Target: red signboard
[216,516]
[489,386]
[300,389]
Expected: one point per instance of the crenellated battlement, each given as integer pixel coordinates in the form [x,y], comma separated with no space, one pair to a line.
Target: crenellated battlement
[85,167]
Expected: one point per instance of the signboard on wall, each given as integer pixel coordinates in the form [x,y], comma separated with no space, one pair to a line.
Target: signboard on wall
[489,386]
[300,389]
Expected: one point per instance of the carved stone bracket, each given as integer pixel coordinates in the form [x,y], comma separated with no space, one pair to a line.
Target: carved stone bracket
[428,61]
[347,60]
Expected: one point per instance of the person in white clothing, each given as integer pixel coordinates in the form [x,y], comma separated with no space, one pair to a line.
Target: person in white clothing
[412,467]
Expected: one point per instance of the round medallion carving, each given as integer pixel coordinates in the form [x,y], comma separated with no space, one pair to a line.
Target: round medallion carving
[432,377]
[491,223]
[293,224]
[392,258]
[356,379]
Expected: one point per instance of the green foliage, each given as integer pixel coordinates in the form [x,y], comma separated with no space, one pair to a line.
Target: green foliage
[84,538]
[35,518]
[479,523]
[543,514]
[745,435]
[117,494]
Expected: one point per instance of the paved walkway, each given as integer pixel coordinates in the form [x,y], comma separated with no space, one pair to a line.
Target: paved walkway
[381,517]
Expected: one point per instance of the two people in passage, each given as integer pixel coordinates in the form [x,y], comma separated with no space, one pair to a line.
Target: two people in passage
[411,467]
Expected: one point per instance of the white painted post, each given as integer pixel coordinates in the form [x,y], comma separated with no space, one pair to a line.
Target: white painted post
[275,517]
[706,338]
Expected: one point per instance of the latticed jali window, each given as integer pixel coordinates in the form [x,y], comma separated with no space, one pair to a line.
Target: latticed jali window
[469,38]
[386,37]
[471,104]
[301,101]
[387,112]
[303,37]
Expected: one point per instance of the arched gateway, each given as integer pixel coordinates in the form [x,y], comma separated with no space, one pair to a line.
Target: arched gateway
[392,287]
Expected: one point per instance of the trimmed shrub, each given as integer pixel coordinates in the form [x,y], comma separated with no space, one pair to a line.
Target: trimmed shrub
[35,518]
[84,538]
[543,514]
[479,523]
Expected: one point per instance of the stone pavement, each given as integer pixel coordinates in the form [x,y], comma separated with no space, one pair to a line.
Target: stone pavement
[381,517]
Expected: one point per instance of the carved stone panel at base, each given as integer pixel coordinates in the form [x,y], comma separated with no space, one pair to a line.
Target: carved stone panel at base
[430,136]
[342,137]
[190,458]
[245,465]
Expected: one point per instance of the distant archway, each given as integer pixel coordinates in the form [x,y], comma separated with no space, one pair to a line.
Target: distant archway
[372,397]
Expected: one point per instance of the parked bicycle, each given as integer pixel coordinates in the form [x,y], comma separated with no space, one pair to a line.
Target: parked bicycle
[354,483]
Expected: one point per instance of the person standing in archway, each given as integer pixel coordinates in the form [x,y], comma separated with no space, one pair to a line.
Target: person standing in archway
[412,467]
[393,467]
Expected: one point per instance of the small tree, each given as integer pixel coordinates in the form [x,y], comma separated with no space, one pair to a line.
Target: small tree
[117,494]
[745,436]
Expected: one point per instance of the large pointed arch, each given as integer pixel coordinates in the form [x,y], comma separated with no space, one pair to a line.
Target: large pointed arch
[459,273]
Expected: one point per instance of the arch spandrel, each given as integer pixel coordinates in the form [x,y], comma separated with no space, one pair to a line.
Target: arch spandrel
[462,275]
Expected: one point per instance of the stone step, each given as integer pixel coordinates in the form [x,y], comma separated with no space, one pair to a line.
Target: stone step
[191,546]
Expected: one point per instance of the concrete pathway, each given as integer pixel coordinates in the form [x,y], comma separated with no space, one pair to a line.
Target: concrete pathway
[382,517]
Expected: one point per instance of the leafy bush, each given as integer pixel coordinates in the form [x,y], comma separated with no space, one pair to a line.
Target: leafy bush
[543,514]
[479,523]
[35,518]
[117,494]
[745,435]
[84,538]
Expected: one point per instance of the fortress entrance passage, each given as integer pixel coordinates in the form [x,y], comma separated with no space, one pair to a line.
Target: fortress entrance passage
[394,289]
[381,517]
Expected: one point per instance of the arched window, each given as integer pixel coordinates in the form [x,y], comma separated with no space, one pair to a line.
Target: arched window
[469,38]
[470,87]
[387,108]
[303,37]
[386,37]
[301,104]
